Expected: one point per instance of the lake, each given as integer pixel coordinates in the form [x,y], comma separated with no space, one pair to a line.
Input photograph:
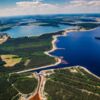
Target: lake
[80,48]
[33,30]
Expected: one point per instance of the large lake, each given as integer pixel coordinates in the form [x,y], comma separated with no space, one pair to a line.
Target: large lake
[80,48]
[33,30]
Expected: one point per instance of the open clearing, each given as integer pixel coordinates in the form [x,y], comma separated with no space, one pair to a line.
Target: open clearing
[10,60]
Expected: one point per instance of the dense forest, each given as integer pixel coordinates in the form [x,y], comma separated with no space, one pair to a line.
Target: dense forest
[72,84]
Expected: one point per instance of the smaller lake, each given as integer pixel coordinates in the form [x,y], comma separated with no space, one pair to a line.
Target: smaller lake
[80,48]
[33,30]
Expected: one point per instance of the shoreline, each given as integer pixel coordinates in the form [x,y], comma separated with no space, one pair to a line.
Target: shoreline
[54,47]
[85,69]
[88,71]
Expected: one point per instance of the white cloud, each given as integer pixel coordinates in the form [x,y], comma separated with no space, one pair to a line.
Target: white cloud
[38,7]
[28,3]
[85,2]
[94,3]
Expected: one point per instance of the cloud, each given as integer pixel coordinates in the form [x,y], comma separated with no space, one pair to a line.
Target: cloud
[85,2]
[94,3]
[71,3]
[39,7]
[29,3]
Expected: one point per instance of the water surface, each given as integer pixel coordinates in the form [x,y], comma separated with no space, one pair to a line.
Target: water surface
[33,30]
[80,48]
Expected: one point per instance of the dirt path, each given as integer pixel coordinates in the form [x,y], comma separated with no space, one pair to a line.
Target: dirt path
[36,95]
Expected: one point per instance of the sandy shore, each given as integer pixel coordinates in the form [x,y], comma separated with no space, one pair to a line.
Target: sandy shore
[90,72]
[54,47]
[83,69]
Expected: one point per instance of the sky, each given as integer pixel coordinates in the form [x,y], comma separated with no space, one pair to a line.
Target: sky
[34,7]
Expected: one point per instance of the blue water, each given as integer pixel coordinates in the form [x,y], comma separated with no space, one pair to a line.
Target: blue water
[33,30]
[80,48]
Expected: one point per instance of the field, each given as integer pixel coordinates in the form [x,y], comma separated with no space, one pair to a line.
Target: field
[72,84]
[10,60]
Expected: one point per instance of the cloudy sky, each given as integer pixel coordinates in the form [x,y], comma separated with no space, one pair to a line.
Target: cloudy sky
[30,7]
